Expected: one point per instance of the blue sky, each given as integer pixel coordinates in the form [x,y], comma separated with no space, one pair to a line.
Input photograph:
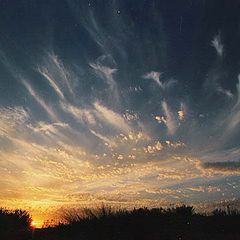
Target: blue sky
[123,102]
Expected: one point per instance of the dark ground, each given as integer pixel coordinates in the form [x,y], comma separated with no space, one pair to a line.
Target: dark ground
[147,224]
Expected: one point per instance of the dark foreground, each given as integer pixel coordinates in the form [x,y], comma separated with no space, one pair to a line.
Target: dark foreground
[149,224]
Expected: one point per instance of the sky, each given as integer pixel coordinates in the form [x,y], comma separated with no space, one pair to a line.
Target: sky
[126,103]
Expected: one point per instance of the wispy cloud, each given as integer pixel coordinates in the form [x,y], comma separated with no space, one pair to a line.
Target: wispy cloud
[39,100]
[111,117]
[44,72]
[107,74]
[82,115]
[109,142]
[47,128]
[171,122]
[155,76]
[226,92]
[61,72]
[94,28]
[233,119]
[217,44]
[11,118]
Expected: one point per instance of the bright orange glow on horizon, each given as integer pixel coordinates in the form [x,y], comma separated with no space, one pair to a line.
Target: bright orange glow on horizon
[36,223]
[33,224]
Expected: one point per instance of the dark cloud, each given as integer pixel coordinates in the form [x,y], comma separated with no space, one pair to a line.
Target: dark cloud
[223,166]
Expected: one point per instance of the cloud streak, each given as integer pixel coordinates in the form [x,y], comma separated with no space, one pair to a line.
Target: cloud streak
[53,84]
[170,118]
[155,76]
[39,100]
[226,92]
[107,74]
[217,44]
[110,117]
[82,115]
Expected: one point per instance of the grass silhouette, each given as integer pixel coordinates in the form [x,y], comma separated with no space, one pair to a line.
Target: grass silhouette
[146,224]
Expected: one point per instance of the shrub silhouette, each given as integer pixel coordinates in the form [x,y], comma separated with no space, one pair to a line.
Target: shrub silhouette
[15,224]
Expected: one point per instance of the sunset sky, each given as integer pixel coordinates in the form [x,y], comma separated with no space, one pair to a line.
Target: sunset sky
[127,103]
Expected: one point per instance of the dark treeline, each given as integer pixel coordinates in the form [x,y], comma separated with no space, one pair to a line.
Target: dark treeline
[177,223]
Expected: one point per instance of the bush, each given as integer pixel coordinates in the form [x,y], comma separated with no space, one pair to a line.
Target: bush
[15,224]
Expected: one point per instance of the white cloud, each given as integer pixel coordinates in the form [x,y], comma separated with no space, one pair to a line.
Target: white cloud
[106,73]
[109,142]
[226,92]
[40,101]
[49,128]
[11,117]
[234,117]
[111,117]
[94,29]
[44,72]
[170,119]
[217,44]
[155,76]
[58,70]
[82,115]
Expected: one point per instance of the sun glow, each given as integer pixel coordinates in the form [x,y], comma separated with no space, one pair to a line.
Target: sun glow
[33,223]
[36,224]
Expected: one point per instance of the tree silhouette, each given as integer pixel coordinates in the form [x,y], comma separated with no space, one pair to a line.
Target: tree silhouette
[15,224]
